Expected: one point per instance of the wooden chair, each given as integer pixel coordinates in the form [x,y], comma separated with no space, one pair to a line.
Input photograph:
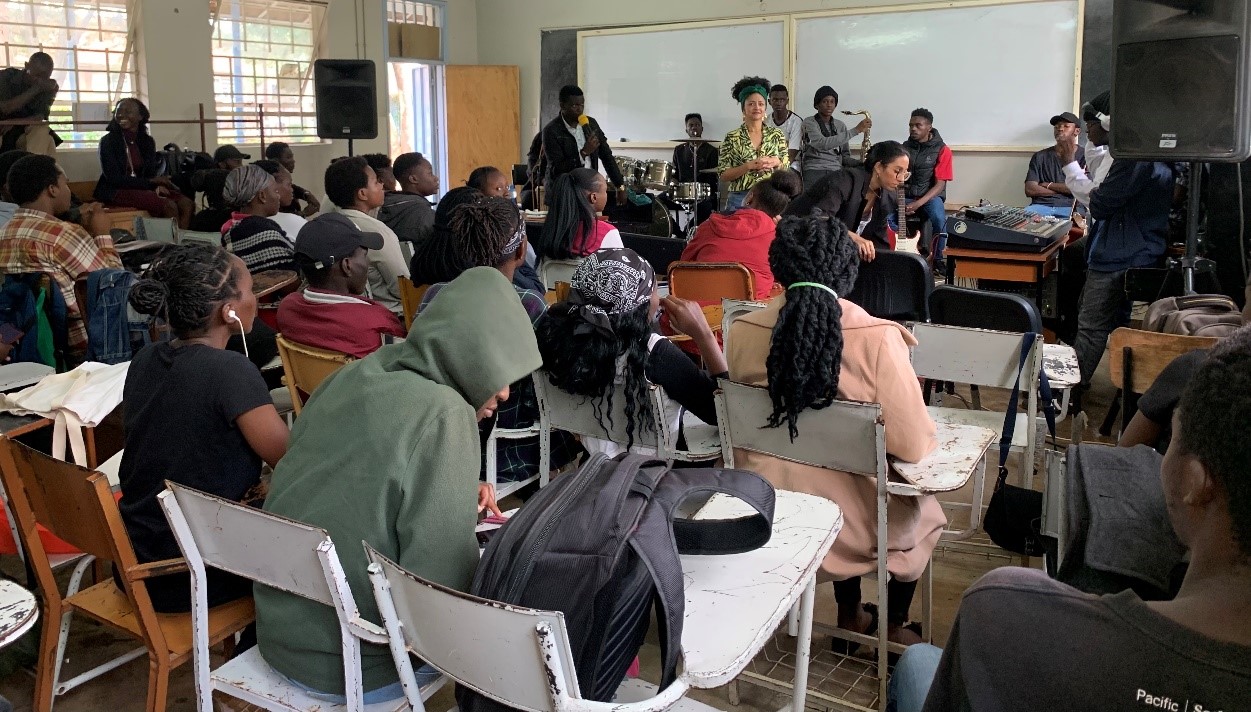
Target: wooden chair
[305,367]
[846,437]
[1136,358]
[298,559]
[410,299]
[77,505]
[517,656]
[711,281]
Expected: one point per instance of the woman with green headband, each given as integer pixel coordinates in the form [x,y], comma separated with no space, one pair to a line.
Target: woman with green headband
[751,152]
[808,347]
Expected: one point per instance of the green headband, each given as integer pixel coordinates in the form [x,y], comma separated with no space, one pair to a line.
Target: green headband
[748,91]
[816,285]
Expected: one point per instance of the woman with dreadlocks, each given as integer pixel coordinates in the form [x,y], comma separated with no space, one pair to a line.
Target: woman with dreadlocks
[603,337]
[809,346]
[196,413]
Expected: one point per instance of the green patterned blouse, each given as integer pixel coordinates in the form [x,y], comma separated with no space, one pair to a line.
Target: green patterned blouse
[736,150]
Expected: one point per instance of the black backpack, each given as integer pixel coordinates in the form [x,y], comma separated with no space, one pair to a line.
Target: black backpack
[600,546]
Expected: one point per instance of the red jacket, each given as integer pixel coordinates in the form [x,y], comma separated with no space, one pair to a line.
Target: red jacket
[743,236]
[351,328]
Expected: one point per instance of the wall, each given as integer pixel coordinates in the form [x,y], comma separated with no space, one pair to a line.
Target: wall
[176,73]
[509,33]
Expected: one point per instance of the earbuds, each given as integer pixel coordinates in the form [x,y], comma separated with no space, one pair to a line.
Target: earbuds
[234,316]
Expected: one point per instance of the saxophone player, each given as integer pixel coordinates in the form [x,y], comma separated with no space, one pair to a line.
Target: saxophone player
[826,138]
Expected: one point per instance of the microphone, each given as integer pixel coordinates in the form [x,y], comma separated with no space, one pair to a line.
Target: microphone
[585,122]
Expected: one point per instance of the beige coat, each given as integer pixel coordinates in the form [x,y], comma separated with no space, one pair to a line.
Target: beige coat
[875,369]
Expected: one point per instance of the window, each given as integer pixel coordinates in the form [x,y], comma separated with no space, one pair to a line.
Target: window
[90,44]
[263,53]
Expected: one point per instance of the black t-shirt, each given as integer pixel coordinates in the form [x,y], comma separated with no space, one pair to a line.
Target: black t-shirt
[14,81]
[1161,399]
[1045,167]
[683,381]
[180,410]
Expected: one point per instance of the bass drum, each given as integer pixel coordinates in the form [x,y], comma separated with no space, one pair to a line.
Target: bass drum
[692,192]
[658,175]
[630,169]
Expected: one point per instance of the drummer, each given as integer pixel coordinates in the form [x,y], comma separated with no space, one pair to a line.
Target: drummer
[751,152]
[697,163]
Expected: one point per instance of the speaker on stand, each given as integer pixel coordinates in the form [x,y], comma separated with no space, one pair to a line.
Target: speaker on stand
[346,92]
[1180,90]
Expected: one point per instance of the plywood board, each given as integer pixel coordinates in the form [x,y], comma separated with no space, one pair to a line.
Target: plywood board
[483,119]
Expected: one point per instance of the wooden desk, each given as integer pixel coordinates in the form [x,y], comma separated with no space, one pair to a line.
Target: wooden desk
[1005,266]
[713,313]
[18,611]
[266,283]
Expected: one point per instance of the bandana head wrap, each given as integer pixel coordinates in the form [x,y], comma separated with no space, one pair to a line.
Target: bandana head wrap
[609,282]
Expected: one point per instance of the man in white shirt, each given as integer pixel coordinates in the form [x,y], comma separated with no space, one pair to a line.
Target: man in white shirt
[789,122]
[353,187]
[1081,183]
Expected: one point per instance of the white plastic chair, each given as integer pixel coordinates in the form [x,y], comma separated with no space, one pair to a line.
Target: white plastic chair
[288,556]
[163,230]
[193,237]
[847,437]
[732,309]
[491,460]
[559,410]
[985,358]
[553,271]
[519,657]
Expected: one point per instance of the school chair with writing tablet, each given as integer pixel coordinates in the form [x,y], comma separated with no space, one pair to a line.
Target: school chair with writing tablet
[410,299]
[296,558]
[711,281]
[305,367]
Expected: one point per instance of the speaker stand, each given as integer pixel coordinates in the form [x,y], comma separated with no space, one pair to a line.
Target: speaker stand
[1194,203]
[350,153]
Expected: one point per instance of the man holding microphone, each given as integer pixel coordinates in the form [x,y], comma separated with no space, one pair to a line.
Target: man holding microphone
[572,140]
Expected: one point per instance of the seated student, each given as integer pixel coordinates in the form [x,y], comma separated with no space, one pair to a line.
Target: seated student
[861,198]
[212,182]
[331,312]
[744,235]
[602,337]
[381,163]
[490,181]
[809,346]
[931,170]
[572,228]
[826,138]
[7,206]
[1022,641]
[228,157]
[281,152]
[291,223]
[353,187]
[438,259]
[251,233]
[1044,180]
[491,233]
[196,413]
[387,452]
[408,212]
[129,168]
[35,241]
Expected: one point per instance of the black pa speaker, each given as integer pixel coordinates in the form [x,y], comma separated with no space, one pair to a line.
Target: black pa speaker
[347,98]
[1180,81]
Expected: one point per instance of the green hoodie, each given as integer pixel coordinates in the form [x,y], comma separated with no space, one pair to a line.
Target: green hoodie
[387,452]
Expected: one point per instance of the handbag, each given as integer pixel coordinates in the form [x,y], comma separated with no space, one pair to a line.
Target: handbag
[1014,517]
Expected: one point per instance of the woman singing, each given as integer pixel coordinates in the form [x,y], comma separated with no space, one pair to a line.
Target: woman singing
[751,152]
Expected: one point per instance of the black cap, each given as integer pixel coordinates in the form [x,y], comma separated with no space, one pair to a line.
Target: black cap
[331,237]
[822,93]
[1067,116]
[227,152]
[1101,104]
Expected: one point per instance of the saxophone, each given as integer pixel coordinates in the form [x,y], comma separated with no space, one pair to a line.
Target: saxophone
[865,143]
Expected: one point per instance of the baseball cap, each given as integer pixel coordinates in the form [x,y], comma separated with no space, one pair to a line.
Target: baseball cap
[1066,116]
[331,237]
[227,152]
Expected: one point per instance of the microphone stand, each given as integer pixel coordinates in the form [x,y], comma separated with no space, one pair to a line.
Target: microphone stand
[1193,200]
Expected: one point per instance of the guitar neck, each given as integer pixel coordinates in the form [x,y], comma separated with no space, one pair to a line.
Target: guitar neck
[902,211]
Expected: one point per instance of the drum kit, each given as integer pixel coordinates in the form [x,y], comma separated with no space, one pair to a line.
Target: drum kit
[661,176]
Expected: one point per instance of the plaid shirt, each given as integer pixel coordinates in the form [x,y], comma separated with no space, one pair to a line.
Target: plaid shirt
[34,241]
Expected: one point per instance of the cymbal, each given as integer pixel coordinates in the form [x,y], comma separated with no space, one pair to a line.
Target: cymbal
[688,139]
[709,170]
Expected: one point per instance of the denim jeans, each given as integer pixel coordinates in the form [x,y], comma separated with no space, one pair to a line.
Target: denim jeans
[935,212]
[1051,211]
[424,674]
[910,682]
[734,200]
[1103,308]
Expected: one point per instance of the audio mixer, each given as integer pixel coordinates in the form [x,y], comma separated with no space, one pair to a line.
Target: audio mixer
[1004,227]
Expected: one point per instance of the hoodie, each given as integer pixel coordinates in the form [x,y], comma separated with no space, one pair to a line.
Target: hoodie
[743,236]
[409,215]
[387,452]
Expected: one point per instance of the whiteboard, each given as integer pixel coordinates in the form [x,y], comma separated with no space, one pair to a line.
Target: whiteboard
[992,75]
[639,85]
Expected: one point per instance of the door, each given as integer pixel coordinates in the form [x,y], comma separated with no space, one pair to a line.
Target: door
[483,119]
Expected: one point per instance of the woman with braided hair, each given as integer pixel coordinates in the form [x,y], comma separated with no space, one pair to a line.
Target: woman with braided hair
[252,193]
[809,346]
[196,413]
[753,151]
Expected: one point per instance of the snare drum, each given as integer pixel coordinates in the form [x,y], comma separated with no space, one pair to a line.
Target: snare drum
[630,169]
[693,192]
[658,175]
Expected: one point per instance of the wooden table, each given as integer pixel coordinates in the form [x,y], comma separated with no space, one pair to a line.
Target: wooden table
[266,283]
[18,611]
[735,602]
[713,313]
[1005,265]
